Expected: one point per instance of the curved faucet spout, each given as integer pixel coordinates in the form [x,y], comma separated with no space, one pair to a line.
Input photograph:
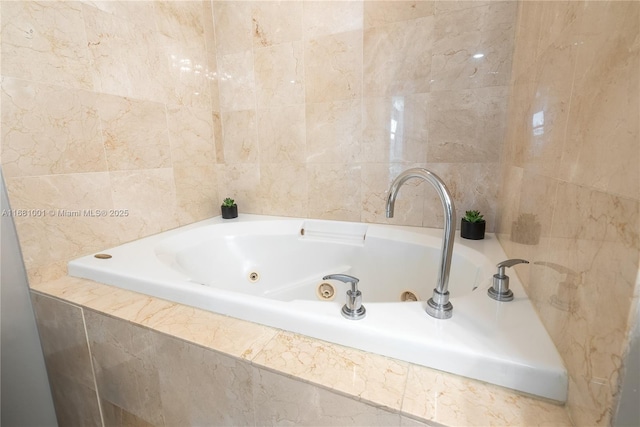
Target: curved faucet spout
[438,305]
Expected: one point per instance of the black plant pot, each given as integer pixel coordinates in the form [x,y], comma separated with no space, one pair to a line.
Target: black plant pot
[229,212]
[472,230]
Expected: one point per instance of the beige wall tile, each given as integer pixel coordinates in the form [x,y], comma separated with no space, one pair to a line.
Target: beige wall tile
[64,228]
[334,132]
[333,67]
[353,373]
[395,129]
[126,58]
[472,409]
[488,31]
[49,130]
[335,191]
[68,361]
[279,75]
[150,198]
[240,138]
[135,133]
[603,121]
[191,136]
[322,17]
[196,192]
[35,48]
[284,189]
[234,29]
[236,81]
[377,13]
[464,125]
[394,63]
[201,387]
[282,134]
[276,22]
[125,366]
[283,401]
[575,175]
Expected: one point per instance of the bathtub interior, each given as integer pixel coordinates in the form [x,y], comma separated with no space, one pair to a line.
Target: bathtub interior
[287,263]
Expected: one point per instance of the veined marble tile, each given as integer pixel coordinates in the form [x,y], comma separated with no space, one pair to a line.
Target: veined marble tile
[234,29]
[196,192]
[181,20]
[45,42]
[452,400]
[64,226]
[324,17]
[150,198]
[191,136]
[68,360]
[381,12]
[394,63]
[371,377]
[335,191]
[49,130]
[601,149]
[282,134]
[395,129]
[467,126]
[236,81]
[280,400]
[135,133]
[202,387]
[126,57]
[279,75]
[333,67]
[334,132]
[280,182]
[240,138]
[124,360]
[487,31]
[276,22]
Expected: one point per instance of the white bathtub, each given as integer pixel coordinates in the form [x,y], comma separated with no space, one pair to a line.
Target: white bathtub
[268,269]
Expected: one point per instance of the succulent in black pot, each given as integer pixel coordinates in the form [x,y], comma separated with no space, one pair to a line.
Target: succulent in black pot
[472,226]
[229,209]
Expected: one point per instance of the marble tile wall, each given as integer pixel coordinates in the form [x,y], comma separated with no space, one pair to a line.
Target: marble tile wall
[298,108]
[571,186]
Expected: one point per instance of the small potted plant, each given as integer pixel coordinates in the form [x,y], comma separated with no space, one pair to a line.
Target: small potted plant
[472,226]
[229,208]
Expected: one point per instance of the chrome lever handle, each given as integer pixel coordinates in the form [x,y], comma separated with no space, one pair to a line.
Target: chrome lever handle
[344,278]
[499,290]
[509,263]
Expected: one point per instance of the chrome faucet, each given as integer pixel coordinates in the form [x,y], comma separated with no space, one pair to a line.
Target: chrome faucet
[438,305]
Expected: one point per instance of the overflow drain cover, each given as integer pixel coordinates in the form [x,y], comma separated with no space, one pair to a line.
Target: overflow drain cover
[102,256]
[254,277]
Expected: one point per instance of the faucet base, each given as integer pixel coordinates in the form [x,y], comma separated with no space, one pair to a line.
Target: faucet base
[439,311]
[500,296]
[351,314]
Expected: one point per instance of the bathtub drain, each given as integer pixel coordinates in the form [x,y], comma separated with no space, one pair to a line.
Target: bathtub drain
[254,277]
[325,291]
[408,296]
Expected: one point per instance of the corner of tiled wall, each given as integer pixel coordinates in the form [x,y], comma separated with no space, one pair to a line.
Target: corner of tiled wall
[570,189]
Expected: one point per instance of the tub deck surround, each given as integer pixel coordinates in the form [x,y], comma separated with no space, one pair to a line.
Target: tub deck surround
[413,391]
[500,343]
